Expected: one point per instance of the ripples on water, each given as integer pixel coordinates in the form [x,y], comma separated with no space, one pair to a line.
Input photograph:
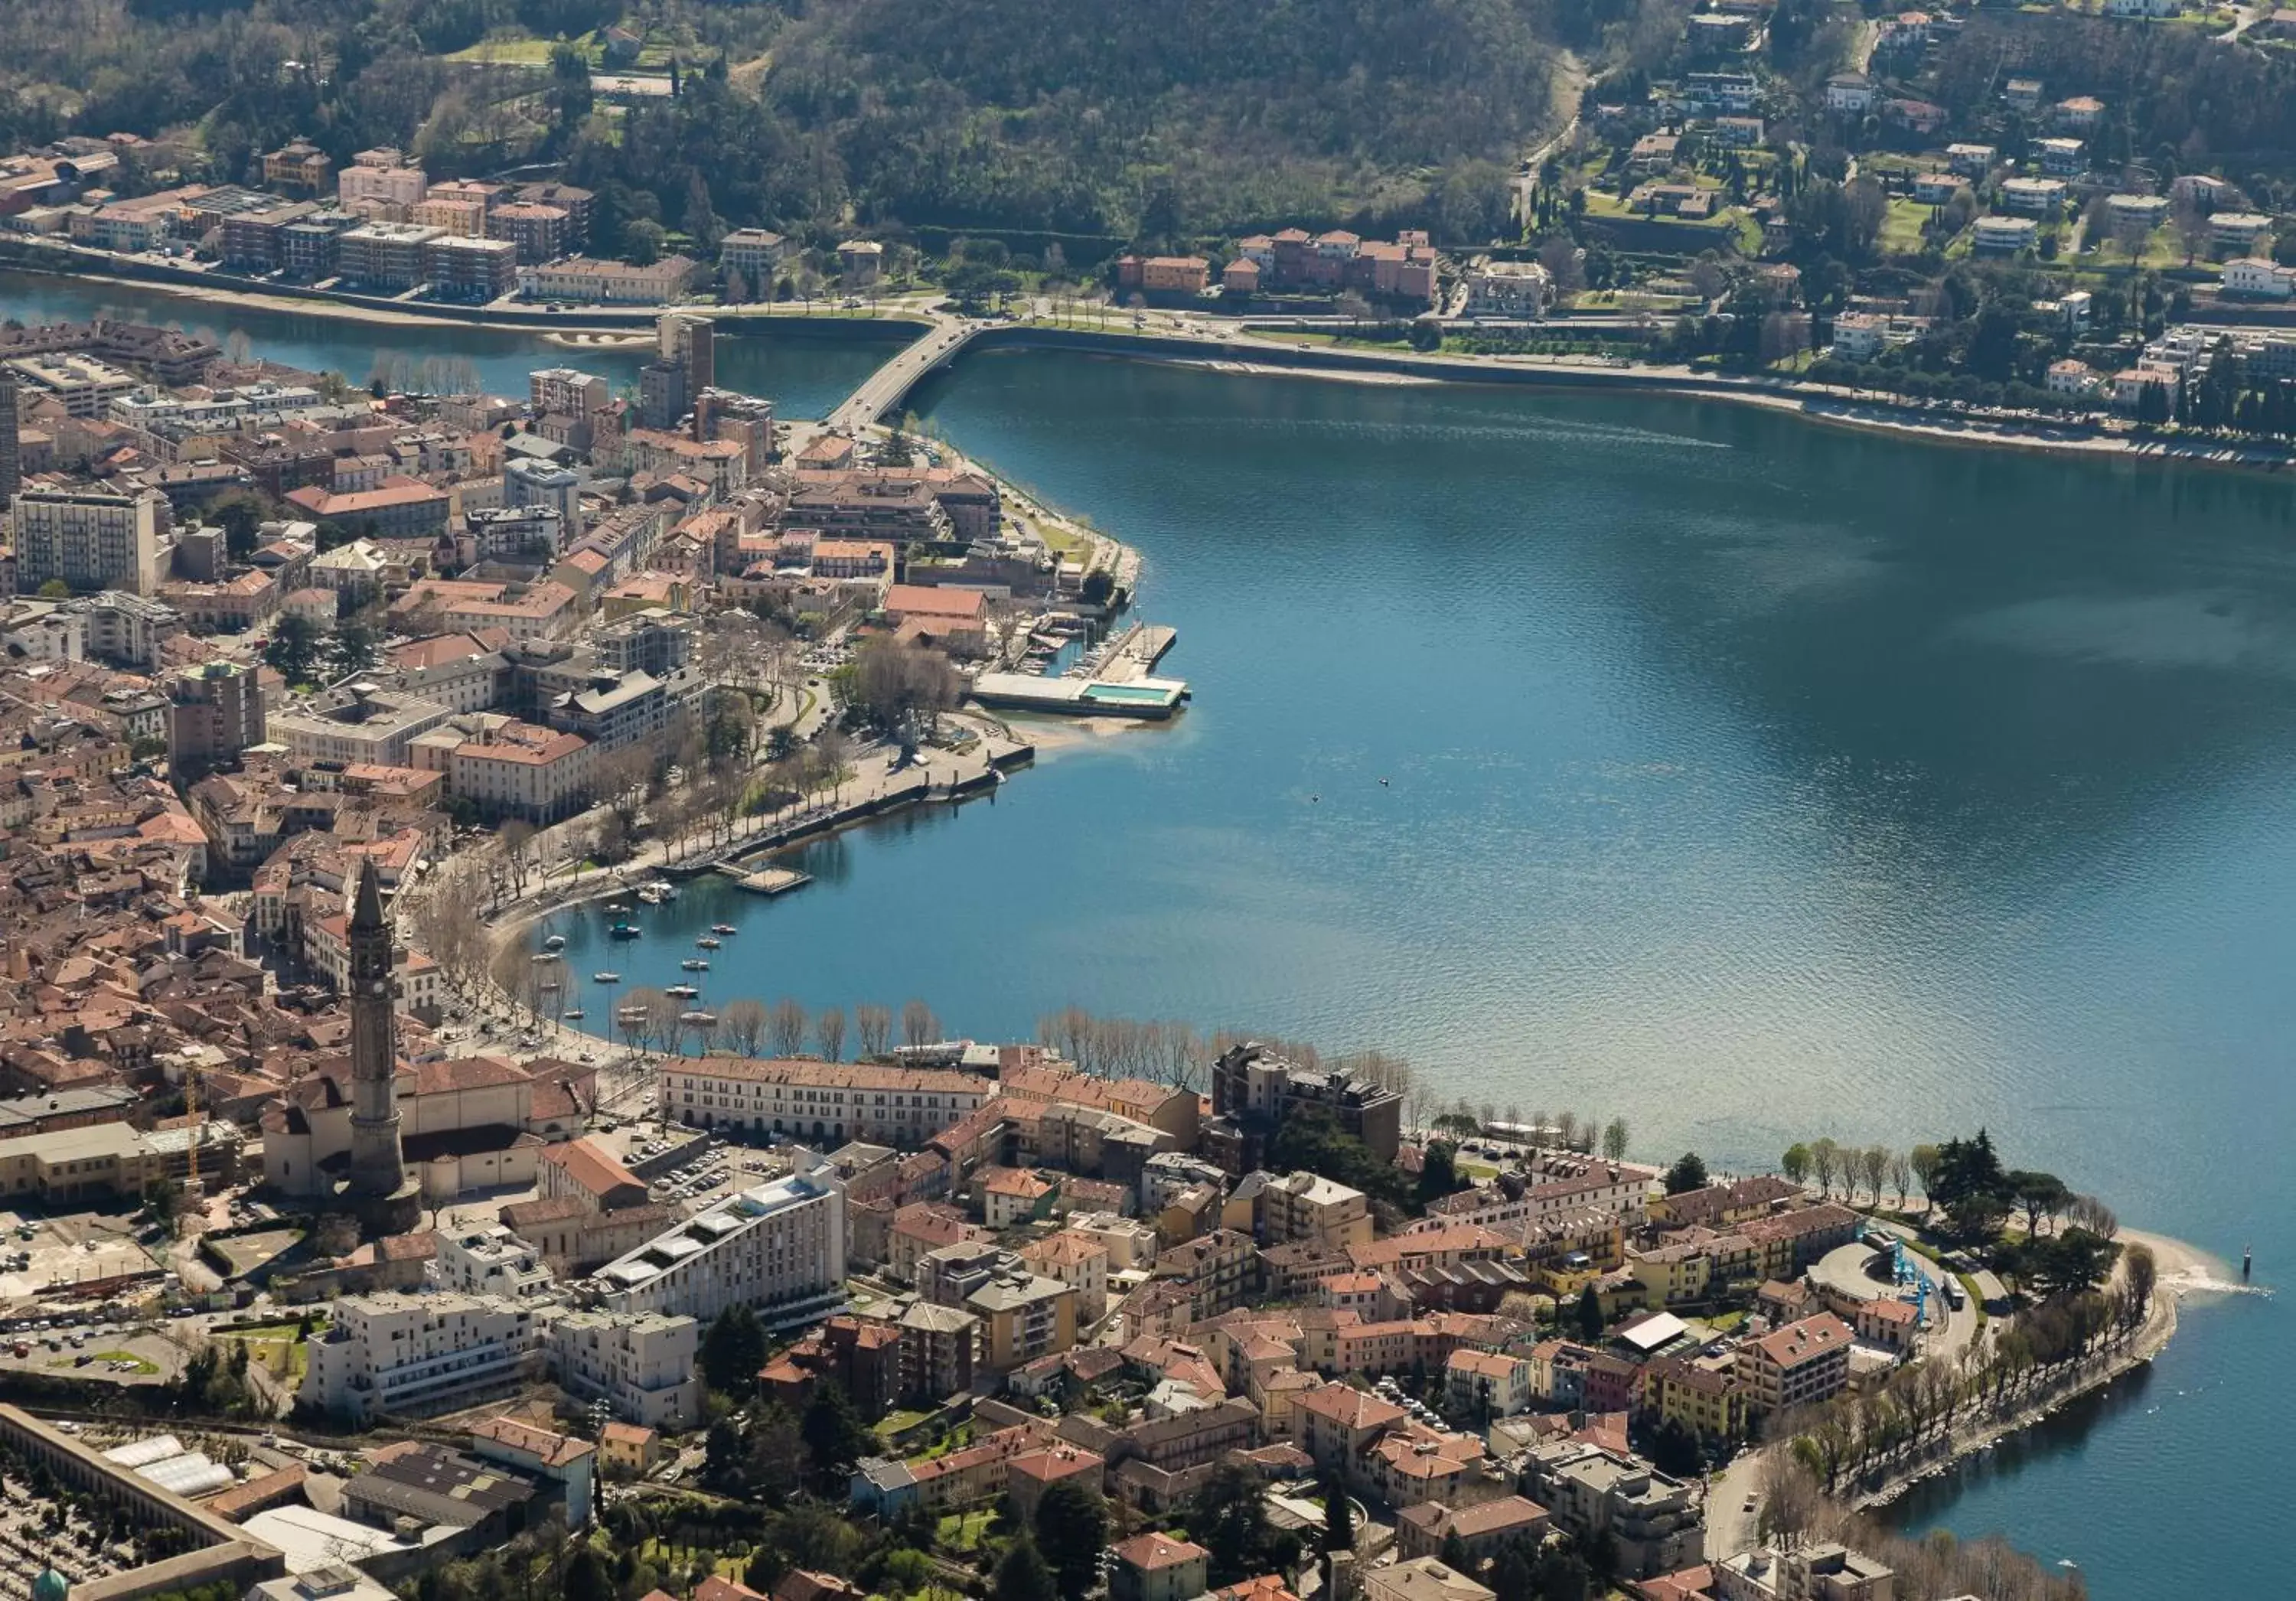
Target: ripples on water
[1748,780]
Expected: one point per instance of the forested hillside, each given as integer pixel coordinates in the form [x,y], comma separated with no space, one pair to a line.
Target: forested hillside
[1089,116]
[1106,116]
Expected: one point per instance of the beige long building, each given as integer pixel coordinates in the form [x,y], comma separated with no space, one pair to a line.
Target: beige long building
[818,1101]
[470,1122]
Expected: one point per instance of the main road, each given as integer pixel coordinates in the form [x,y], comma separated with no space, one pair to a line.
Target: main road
[882,390]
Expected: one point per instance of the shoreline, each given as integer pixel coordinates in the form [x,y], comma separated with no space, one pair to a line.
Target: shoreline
[579,326]
[2182,1271]
[1245,356]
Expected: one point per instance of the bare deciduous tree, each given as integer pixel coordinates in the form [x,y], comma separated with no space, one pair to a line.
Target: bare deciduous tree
[1874,1166]
[919,1026]
[787,1028]
[741,1025]
[829,1030]
[874,1025]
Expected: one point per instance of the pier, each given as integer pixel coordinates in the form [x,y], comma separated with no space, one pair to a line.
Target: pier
[766,881]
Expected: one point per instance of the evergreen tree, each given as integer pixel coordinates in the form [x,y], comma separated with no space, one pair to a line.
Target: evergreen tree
[1339,1517]
[1511,1576]
[834,1437]
[1438,1176]
[1023,1575]
[1590,1313]
[586,1577]
[1072,1524]
[733,1350]
[1687,1173]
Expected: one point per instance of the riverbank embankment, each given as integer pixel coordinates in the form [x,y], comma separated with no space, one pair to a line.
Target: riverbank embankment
[1236,350]
[576,325]
[1246,355]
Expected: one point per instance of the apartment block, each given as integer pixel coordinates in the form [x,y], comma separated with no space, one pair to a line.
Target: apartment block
[640,1364]
[89,539]
[827,1102]
[417,1355]
[215,711]
[778,1247]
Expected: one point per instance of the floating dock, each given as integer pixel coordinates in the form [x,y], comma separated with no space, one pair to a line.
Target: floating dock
[1154,698]
[766,881]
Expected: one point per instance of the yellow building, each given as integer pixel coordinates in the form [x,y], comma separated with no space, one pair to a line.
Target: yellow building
[1023,1316]
[1671,1274]
[1702,1395]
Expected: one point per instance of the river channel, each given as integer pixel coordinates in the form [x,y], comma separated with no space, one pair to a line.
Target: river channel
[1748,780]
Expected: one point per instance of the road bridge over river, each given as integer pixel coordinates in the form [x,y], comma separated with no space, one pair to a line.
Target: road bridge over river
[883,390]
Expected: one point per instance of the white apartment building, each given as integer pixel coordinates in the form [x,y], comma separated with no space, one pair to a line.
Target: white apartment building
[362,724]
[609,283]
[89,539]
[1568,1185]
[417,1355]
[86,386]
[1509,288]
[2266,280]
[125,629]
[641,1364]
[490,1262]
[779,1247]
[569,392]
[830,1102]
[381,179]
[2033,197]
[755,253]
[2004,235]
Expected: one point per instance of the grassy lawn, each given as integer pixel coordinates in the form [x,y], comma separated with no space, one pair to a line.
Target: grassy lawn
[893,1422]
[963,1531]
[141,1364]
[1901,232]
[515,52]
[281,1359]
[957,1439]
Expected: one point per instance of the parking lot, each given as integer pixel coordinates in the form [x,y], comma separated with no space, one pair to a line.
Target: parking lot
[119,1352]
[39,1256]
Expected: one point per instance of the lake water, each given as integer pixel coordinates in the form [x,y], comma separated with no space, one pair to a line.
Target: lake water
[805,373]
[1746,780]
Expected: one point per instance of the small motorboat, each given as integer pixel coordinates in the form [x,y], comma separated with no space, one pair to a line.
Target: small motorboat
[723,929]
[682,992]
[650,896]
[574,1015]
[698,1020]
[615,908]
[624,930]
[661,889]
[605,978]
[708,942]
[694,965]
[554,942]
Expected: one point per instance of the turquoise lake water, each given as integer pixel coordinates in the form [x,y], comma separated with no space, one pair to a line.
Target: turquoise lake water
[1746,780]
